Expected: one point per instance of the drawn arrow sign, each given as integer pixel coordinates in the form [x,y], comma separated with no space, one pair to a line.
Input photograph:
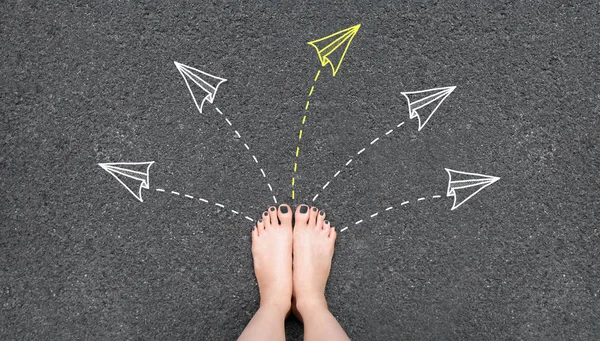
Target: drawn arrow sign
[132,175]
[206,81]
[425,99]
[463,186]
[330,49]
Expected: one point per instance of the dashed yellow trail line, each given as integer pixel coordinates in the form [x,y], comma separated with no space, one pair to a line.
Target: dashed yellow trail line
[312,88]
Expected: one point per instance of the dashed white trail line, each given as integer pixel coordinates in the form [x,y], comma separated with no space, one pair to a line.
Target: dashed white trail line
[357,153]
[237,133]
[189,196]
[389,209]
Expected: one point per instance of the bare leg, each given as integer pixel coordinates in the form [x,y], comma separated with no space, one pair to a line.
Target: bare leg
[313,250]
[272,255]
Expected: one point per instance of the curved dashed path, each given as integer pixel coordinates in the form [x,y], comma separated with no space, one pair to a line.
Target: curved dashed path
[351,159]
[300,135]
[262,171]
[191,197]
[404,203]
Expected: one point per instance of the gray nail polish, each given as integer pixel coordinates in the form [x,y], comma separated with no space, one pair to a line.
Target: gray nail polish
[283,209]
[303,209]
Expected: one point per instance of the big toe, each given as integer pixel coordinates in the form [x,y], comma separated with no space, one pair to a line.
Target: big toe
[302,215]
[285,215]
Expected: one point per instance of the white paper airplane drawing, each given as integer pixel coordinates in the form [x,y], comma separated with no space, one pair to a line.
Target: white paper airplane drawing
[132,175]
[332,49]
[463,186]
[424,100]
[207,82]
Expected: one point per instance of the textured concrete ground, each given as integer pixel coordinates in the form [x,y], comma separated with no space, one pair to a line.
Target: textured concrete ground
[83,83]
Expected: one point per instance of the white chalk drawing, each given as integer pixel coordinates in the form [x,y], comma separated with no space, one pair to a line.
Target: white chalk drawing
[189,196]
[468,185]
[248,150]
[350,160]
[132,175]
[426,98]
[404,203]
[331,50]
[206,81]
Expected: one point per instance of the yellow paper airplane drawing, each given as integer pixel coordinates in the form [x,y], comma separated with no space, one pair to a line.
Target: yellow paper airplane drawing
[467,185]
[329,48]
[132,175]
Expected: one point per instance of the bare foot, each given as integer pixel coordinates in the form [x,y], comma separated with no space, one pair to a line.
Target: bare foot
[272,254]
[313,250]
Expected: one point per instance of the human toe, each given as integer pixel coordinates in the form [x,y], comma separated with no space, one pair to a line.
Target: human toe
[321,219]
[302,215]
[273,220]
[285,214]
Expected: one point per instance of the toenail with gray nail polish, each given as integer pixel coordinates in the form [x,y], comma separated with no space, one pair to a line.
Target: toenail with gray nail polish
[283,209]
[260,220]
[327,222]
[265,214]
[303,209]
[322,213]
[272,209]
[314,209]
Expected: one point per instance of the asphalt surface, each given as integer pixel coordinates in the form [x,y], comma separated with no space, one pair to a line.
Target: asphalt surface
[86,83]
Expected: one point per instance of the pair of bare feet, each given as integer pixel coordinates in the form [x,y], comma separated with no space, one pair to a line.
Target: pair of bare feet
[292,265]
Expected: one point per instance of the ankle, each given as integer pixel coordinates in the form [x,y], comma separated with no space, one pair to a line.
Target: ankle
[279,307]
[307,306]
